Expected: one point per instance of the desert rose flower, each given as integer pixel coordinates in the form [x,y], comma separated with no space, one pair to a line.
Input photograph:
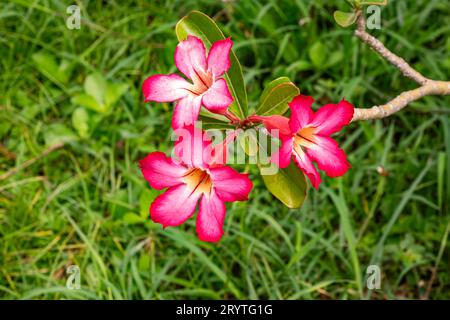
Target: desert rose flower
[195,174]
[305,137]
[207,87]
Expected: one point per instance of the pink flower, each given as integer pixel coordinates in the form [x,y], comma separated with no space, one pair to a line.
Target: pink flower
[208,88]
[305,137]
[197,175]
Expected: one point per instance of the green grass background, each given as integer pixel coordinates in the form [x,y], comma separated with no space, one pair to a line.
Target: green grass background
[82,204]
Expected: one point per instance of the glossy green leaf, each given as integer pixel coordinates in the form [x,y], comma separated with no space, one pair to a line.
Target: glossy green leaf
[200,25]
[80,121]
[344,19]
[288,185]
[276,96]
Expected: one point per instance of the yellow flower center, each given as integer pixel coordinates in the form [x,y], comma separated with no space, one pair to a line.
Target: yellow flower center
[198,180]
[202,81]
[305,137]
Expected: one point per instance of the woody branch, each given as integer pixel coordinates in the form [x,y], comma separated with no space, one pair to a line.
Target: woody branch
[427,87]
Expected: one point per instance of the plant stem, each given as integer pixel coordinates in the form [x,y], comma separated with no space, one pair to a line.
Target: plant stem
[427,87]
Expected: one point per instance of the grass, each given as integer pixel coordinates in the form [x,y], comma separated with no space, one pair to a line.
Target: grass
[85,203]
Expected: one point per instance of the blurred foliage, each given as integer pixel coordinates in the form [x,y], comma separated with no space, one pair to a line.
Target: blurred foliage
[85,203]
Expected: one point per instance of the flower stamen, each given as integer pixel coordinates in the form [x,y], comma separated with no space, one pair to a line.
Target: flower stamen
[199,180]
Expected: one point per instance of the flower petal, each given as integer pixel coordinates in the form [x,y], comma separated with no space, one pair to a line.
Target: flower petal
[190,56]
[329,157]
[332,118]
[161,171]
[174,206]
[282,157]
[210,218]
[186,111]
[303,161]
[193,147]
[272,123]
[218,97]
[230,185]
[301,112]
[165,88]
[219,57]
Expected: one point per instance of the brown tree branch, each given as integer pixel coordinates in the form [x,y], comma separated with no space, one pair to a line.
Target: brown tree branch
[427,87]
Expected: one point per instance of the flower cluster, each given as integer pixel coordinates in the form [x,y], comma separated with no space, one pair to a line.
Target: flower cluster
[197,172]
[305,137]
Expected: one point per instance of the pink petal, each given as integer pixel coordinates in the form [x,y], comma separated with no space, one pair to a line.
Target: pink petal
[282,157]
[218,97]
[303,161]
[174,206]
[272,123]
[193,147]
[186,111]
[230,185]
[190,56]
[160,171]
[328,156]
[210,218]
[301,112]
[331,118]
[165,88]
[219,57]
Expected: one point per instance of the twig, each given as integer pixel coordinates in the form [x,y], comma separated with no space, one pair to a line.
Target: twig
[28,163]
[427,87]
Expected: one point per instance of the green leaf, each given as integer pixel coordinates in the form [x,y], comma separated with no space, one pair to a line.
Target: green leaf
[334,59]
[275,97]
[80,121]
[95,85]
[318,54]
[146,198]
[376,2]
[249,142]
[89,102]
[299,66]
[113,93]
[65,70]
[47,65]
[344,19]
[58,133]
[144,261]
[200,25]
[288,185]
[214,121]
[132,218]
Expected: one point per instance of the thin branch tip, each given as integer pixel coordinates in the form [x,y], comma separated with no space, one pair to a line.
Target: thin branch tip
[427,87]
